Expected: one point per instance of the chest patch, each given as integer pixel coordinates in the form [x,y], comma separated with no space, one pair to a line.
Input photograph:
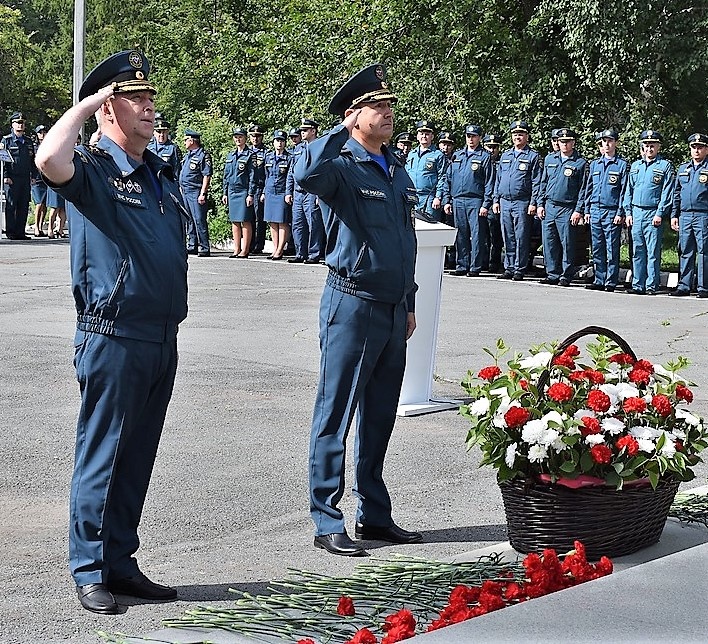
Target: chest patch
[371,193]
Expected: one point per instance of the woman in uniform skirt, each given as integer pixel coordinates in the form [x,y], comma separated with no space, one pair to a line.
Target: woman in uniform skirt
[277,213]
[239,188]
[57,214]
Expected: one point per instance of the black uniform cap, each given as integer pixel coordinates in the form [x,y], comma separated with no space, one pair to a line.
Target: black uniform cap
[281,135]
[127,71]
[609,133]
[650,136]
[404,137]
[367,86]
[699,138]
[445,137]
[255,128]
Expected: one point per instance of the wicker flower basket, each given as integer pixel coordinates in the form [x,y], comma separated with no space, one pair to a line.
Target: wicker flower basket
[608,522]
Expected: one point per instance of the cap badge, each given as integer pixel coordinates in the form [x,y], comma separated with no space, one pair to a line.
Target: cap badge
[135,59]
[650,134]
[139,75]
[379,72]
[697,138]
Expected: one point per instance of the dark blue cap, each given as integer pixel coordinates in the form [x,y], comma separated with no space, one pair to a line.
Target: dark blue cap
[239,131]
[650,136]
[255,128]
[161,123]
[424,126]
[609,133]
[404,137]
[566,134]
[554,133]
[295,131]
[366,86]
[699,138]
[308,123]
[127,71]
[491,139]
[40,128]
[17,116]
[281,135]
[473,129]
[519,126]
[445,137]
[192,133]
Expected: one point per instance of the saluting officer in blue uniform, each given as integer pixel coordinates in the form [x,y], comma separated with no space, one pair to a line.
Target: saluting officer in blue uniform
[256,132]
[647,201]
[516,191]
[426,168]
[560,207]
[194,180]
[239,193]
[162,145]
[277,211]
[129,279]
[39,188]
[307,225]
[604,212]
[690,217]
[367,308]
[17,178]
[470,177]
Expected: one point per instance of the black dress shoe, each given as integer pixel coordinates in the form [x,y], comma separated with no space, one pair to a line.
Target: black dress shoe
[679,292]
[296,260]
[548,280]
[563,282]
[339,543]
[98,599]
[311,261]
[140,586]
[472,273]
[702,294]
[518,277]
[459,272]
[191,251]
[392,533]
[204,253]
[595,287]
[505,276]
[610,289]
[635,291]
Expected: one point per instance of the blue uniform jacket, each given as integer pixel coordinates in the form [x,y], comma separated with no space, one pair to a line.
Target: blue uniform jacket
[518,176]
[691,193]
[427,171]
[371,243]
[197,165]
[276,172]
[168,152]
[291,185]
[470,174]
[22,152]
[239,173]
[128,253]
[650,186]
[259,173]
[605,184]
[562,181]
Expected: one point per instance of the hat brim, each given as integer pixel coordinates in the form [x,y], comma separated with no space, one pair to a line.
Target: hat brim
[649,140]
[123,87]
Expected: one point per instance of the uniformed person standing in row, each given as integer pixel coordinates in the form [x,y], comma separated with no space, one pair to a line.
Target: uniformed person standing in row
[648,199]
[277,212]
[129,280]
[367,309]
[607,177]
[446,145]
[239,192]
[256,132]
[162,145]
[426,167]
[404,143]
[493,262]
[307,226]
[17,178]
[560,208]
[39,188]
[516,191]
[194,180]
[294,138]
[690,217]
[470,176]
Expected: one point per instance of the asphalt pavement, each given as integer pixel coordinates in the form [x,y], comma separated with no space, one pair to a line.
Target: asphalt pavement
[228,502]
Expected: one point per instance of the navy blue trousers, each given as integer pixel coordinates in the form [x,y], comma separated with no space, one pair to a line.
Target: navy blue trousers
[125,386]
[197,226]
[363,356]
[307,227]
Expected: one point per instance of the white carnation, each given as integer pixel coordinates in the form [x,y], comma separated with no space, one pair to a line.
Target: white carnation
[540,359]
[534,431]
[679,434]
[646,445]
[669,448]
[578,415]
[612,425]
[625,390]
[594,439]
[554,417]
[688,417]
[480,407]
[537,453]
[510,456]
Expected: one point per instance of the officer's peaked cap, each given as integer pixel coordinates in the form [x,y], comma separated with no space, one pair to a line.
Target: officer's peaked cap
[404,137]
[161,123]
[424,126]
[295,131]
[445,137]
[192,133]
[308,123]
[491,139]
[519,126]
[367,86]
[127,71]
[609,133]
[281,135]
[40,128]
[554,133]
[650,136]
[239,131]
[473,129]
[566,134]
[255,128]
[698,138]
[17,116]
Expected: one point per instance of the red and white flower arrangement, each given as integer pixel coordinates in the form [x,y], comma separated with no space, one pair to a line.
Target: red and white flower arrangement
[611,421]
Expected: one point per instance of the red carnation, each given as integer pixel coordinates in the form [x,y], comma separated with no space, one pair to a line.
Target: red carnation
[644,365]
[489,373]
[595,377]
[591,425]
[560,392]
[604,566]
[577,376]
[516,416]
[622,358]
[629,443]
[599,400]
[662,404]
[639,376]
[564,360]
[345,606]
[363,636]
[524,384]
[679,446]
[572,351]
[601,454]
[634,405]
[306,641]
[399,626]
[684,393]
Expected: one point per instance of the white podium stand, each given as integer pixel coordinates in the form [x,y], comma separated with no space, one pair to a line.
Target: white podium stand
[417,387]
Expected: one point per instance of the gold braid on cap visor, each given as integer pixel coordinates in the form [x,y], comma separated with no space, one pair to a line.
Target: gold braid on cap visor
[133,86]
[374,97]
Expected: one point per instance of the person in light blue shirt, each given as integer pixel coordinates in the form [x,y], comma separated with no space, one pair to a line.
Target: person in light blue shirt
[648,200]
[690,217]
[561,208]
[426,168]
[163,146]
[604,185]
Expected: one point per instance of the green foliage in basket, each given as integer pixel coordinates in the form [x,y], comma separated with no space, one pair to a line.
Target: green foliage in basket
[607,420]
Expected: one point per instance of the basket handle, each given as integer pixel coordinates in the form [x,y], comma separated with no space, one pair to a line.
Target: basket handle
[588,330]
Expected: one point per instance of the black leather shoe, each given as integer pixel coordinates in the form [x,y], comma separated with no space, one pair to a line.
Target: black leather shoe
[296,260]
[392,533]
[459,272]
[203,253]
[518,277]
[505,276]
[472,273]
[702,294]
[595,287]
[339,543]
[140,586]
[679,292]
[548,280]
[634,291]
[563,282]
[191,251]
[311,261]
[610,289]
[98,599]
